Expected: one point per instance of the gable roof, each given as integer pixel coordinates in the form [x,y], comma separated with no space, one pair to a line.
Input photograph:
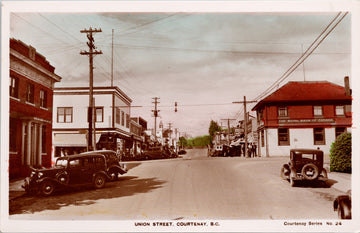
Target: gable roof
[306,91]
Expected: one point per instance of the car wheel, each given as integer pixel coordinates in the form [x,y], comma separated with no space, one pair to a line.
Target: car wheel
[99,181]
[47,188]
[310,171]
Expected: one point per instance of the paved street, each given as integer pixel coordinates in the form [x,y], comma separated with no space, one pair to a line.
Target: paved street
[192,187]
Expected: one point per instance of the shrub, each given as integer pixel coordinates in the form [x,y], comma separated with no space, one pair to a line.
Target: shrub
[340,154]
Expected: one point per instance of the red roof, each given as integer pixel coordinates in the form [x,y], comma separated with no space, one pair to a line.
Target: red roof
[306,91]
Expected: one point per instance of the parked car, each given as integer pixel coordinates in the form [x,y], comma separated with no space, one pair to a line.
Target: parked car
[304,164]
[68,171]
[342,204]
[114,166]
[155,152]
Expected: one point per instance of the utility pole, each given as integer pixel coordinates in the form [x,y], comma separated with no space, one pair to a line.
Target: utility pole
[245,120]
[155,112]
[112,58]
[92,51]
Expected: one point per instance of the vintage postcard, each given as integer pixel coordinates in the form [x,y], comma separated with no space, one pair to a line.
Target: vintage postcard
[234,116]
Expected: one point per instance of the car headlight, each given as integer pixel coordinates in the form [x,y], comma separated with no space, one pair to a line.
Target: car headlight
[40,174]
[32,174]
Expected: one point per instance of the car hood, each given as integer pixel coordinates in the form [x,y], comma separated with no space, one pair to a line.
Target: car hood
[51,170]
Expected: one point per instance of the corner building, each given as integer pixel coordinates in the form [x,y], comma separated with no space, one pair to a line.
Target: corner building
[303,115]
[31,87]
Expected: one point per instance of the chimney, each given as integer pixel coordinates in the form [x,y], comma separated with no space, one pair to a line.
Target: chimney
[347,86]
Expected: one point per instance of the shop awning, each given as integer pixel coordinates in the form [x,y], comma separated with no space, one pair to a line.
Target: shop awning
[71,139]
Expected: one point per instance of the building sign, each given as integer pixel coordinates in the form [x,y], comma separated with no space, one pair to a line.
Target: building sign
[302,121]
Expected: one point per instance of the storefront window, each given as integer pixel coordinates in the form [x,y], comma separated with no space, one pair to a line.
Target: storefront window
[283,137]
[319,136]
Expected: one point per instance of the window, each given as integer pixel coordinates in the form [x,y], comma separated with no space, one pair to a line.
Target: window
[282,111]
[14,87]
[339,130]
[117,115]
[318,112]
[339,111]
[283,137]
[122,118]
[64,114]
[43,98]
[30,93]
[99,114]
[127,120]
[319,136]
[13,135]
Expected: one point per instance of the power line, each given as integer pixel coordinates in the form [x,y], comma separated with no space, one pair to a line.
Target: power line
[303,57]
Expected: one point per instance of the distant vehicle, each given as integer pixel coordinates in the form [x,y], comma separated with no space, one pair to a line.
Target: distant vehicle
[342,204]
[304,164]
[156,152]
[68,171]
[114,167]
[182,152]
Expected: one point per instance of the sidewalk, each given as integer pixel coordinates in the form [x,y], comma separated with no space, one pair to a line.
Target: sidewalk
[342,180]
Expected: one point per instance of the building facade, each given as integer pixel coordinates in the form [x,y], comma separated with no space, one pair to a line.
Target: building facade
[303,115]
[112,119]
[31,87]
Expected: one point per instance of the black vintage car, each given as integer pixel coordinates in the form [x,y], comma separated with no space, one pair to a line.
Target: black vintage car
[68,171]
[114,167]
[304,164]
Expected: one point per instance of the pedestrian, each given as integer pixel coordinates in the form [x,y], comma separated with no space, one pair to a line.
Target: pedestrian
[243,149]
[254,149]
[249,149]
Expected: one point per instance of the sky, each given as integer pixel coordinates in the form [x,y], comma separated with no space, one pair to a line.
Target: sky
[203,61]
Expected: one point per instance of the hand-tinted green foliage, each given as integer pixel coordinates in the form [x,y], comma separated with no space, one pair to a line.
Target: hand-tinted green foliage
[199,141]
[213,128]
[340,154]
[182,141]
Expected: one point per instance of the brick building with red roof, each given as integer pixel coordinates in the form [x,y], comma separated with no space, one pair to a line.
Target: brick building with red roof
[303,115]
[31,87]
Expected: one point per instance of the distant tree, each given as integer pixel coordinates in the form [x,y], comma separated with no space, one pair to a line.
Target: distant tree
[183,141]
[213,128]
[199,141]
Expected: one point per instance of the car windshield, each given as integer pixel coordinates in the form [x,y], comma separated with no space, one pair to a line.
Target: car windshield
[61,162]
[308,156]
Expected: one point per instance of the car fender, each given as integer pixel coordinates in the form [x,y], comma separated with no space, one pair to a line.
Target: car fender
[286,169]
[117,168]
[293,173]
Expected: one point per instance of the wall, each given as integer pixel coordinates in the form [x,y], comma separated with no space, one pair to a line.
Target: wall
[299,138]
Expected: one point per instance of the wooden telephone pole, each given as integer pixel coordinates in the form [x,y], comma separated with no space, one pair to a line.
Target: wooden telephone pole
[155,113]
[245,120]
[92,51]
